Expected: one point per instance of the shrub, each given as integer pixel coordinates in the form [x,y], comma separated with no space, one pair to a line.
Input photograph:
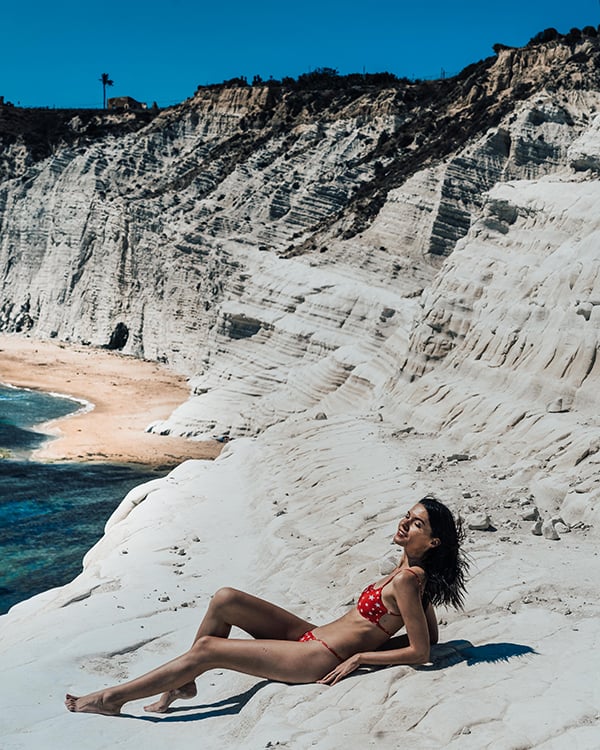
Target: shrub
[318,78]
[547,35]
[573,36]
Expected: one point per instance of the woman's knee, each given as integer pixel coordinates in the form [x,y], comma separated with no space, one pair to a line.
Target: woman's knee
[200,655]
[224,598]
[203,644]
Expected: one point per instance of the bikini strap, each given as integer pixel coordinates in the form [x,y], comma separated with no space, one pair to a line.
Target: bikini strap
[399,614]
[387,580]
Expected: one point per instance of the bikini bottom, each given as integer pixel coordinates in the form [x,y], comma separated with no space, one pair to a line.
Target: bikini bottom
[310,636]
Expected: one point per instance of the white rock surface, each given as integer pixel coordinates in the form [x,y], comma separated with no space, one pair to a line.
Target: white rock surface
[467,306]
[341,488]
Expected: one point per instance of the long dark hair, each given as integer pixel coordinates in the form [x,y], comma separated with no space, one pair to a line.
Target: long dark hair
[446,565]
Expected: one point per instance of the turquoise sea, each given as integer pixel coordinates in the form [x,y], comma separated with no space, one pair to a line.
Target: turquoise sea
[50,513]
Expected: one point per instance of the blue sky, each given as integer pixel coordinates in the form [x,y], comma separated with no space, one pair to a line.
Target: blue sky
[52,54]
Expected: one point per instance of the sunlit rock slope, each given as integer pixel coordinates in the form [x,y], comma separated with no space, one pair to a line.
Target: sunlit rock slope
[430,246]
[379,289]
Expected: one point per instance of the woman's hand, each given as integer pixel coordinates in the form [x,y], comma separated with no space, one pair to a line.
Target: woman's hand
[342,670]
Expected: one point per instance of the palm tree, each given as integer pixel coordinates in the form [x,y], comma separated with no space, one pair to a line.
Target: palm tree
[105,81]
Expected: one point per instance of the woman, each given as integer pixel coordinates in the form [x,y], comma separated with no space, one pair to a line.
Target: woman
[289,649]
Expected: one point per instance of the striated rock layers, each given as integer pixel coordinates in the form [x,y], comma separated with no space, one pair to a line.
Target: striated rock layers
[378,293]
[425,250]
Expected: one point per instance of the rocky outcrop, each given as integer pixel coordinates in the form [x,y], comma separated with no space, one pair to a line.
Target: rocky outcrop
[377,295]
[304,252]
[509,342]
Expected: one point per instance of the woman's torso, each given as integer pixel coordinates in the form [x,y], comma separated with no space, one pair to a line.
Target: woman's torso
[353,631]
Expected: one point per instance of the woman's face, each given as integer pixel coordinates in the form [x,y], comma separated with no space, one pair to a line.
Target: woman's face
[414,532]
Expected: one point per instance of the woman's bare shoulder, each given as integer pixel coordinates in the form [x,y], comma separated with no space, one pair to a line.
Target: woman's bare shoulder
[410,578]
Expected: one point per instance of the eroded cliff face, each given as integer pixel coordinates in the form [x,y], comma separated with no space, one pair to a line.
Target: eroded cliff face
[138,230]
[426,254]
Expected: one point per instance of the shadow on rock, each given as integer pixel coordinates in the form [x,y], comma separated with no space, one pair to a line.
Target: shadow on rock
[454,652]
[225,707]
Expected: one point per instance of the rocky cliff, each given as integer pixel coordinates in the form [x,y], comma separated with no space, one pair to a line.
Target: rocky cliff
[378,291]
[338,250]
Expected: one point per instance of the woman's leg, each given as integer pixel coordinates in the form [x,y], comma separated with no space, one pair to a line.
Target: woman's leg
[257,617]
[284,661]
[227,608]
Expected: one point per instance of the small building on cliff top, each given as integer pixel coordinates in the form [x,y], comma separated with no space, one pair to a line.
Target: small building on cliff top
[125,102]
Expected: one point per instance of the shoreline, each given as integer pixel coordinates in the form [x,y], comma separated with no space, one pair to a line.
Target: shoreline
[120,396]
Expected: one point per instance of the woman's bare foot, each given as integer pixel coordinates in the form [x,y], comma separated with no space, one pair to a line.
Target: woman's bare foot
[94,703]
[162,704]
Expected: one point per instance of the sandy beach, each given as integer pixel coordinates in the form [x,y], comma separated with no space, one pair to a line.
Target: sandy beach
[127,395]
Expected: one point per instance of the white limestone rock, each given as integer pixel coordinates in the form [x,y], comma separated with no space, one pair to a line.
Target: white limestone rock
[549,530]
[584,152]
[464,307]
[479,521]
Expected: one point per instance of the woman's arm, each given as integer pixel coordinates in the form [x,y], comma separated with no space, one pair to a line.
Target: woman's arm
[400,641]
[432,623]
[420,626]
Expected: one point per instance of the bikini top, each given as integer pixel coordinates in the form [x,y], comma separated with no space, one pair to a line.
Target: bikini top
[370,603]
